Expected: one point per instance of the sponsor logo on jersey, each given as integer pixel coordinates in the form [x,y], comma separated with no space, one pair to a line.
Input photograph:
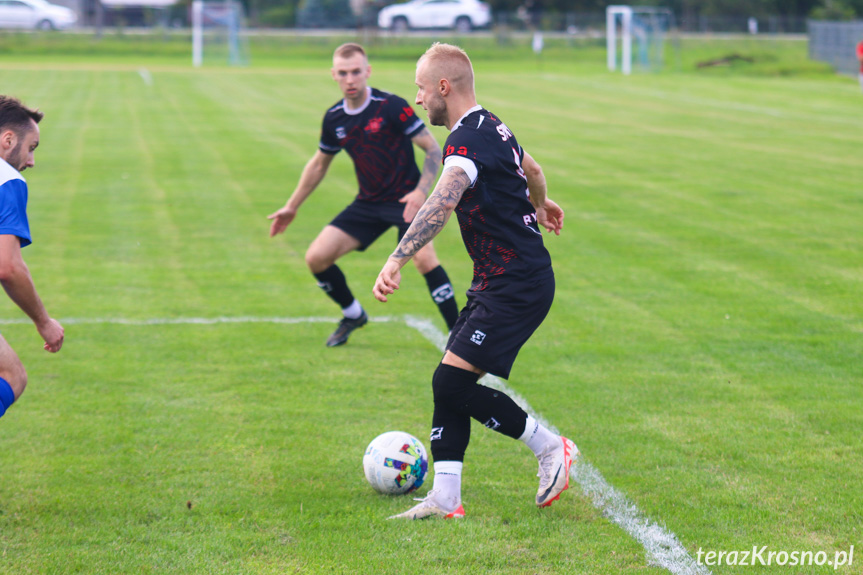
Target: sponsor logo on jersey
[478,337]
[450,150]
[374,125]
[340,133]
[529,219]
[406,113]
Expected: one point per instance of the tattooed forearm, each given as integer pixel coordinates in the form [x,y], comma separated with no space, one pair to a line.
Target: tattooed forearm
[429,173]
[433,157]
[435,212]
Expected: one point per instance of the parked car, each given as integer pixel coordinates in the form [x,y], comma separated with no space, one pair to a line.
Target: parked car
[463,15]
[35,14]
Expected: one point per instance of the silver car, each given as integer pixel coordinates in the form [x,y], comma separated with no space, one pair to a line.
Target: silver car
[463,15]
[35,14]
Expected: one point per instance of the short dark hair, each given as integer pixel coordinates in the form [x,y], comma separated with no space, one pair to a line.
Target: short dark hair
[15,116]
[348,50]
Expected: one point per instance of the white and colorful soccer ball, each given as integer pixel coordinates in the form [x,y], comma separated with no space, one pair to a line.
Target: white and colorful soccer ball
[395,463]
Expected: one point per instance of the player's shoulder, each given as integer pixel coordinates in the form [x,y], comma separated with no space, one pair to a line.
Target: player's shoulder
[8,173]
[336,108]
[388,99]
[489,123]
[478,120]
[476,126]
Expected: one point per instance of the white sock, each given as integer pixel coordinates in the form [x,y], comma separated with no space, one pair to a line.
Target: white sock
[353,311]
[447,482]
[537,437]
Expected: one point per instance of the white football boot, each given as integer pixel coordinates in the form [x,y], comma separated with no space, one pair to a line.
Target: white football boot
[432,506]
[554,464]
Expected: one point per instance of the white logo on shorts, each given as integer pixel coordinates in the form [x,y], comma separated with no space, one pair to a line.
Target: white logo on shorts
[477,337]
[492,423]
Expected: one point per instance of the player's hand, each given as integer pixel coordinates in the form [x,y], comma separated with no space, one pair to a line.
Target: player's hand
[52,332]
[550,216]
[413,202]
[281,220]
[388,280]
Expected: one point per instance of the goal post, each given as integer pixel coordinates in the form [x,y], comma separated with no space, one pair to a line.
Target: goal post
[217,33]
[197,33]
[624,13]
[642,31]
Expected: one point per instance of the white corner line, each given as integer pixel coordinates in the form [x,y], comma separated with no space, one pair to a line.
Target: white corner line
[662,546]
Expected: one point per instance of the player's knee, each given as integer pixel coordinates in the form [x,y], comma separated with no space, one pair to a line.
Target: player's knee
[20,384]
[316,262]
[454,387]
[15,376]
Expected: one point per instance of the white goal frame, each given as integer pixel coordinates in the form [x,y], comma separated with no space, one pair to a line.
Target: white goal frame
[648,24]
[611,15]
[232,12]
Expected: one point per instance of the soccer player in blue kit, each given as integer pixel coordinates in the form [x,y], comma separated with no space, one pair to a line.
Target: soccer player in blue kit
[378,130]
[498,193]
[19,137]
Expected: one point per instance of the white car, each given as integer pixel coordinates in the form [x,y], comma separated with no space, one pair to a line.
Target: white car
[463,15]
[35,14]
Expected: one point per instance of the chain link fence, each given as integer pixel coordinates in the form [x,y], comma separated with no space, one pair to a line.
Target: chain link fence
[836,43]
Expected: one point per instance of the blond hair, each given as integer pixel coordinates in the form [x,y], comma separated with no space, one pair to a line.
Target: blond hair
[450,62]
[349,49]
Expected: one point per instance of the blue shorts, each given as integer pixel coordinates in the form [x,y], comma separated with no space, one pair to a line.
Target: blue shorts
[7,396]
[493,326]
[367,221]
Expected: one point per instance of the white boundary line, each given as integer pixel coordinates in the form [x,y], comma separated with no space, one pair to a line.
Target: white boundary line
[662,546]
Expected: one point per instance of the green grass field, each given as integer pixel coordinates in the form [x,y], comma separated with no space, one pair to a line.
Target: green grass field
[704,349]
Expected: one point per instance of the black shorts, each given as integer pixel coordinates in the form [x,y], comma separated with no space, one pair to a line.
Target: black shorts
[492,327]
[367,221]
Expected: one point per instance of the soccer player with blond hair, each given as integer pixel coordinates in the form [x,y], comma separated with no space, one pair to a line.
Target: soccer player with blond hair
[378,130]
[498,193]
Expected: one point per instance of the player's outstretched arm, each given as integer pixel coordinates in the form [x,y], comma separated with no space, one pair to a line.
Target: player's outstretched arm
[434,213]
[548,214]
[314,172]
[414,200]
[18,283]
[428,222]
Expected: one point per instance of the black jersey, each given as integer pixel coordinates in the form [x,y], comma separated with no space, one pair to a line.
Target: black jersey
[498,222]
[378,139]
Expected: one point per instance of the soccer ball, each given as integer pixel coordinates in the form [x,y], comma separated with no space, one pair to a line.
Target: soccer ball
[395,463]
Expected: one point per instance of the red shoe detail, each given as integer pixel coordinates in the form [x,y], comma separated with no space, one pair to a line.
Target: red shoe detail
[457,514]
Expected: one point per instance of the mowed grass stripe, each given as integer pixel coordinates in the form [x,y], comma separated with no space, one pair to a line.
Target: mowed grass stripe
[671,202]
[732,431]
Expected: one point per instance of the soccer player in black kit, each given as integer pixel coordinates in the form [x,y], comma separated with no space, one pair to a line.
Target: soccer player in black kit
[498,192]
[378,130]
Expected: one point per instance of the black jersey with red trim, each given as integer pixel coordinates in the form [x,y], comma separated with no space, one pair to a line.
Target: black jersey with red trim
[377,137]
[498,222]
